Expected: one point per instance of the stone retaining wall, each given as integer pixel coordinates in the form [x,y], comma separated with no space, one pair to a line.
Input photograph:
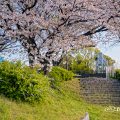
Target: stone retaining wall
[100,91]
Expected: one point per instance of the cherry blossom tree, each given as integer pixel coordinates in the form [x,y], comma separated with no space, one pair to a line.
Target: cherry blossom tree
[48,28]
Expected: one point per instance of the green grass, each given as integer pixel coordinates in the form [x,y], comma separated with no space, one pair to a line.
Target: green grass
[65,105]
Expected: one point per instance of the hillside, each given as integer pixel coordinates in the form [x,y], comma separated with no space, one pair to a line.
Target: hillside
[64,105]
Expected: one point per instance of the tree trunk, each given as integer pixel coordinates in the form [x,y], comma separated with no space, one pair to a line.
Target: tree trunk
[35,56]
[45,63]
[31,57]
[31,47]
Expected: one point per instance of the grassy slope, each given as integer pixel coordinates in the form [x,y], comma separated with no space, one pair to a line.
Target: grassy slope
[57,106]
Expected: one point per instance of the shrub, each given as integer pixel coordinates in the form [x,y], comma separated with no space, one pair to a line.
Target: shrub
[82,69]
[60,74]
[21,82]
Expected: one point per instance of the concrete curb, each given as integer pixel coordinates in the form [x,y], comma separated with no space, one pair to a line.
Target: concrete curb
[86,116]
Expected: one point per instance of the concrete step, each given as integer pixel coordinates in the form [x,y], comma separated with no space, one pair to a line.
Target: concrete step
[100,91]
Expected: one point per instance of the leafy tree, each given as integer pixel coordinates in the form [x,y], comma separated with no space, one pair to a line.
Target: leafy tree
[83,61]
[109,60]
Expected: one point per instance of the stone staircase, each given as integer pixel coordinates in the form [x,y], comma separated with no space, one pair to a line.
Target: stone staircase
[100,91]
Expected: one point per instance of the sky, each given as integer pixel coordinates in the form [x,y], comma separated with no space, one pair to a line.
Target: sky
[112,51]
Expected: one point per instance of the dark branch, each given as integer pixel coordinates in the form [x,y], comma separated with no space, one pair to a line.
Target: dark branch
[8,5]
[95,30]
[30,7]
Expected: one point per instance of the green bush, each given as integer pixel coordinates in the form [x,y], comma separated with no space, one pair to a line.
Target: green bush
[81,68]
[59,74]
[21,82]
[117,74]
